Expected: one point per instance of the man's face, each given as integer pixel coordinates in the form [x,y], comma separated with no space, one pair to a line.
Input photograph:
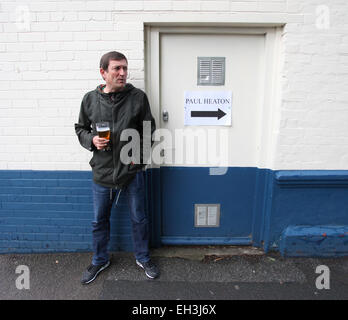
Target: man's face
[116,75]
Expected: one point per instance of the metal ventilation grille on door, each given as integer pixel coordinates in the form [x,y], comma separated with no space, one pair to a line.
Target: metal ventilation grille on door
[211,71]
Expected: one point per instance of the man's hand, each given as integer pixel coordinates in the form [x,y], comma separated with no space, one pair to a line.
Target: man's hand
[100,143]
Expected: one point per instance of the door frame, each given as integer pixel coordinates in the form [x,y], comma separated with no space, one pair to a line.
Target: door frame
[269,116]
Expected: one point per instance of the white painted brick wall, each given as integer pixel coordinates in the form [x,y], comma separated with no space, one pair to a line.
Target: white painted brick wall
[48,62]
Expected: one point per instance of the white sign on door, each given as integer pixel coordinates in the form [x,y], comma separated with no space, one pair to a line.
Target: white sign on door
[208,108]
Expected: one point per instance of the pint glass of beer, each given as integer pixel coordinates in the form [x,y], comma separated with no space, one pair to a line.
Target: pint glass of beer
[103,129]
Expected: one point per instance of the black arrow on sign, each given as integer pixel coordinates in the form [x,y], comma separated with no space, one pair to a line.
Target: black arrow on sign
[208,114]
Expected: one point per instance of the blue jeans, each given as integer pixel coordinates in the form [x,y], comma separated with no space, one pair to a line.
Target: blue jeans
[102,201]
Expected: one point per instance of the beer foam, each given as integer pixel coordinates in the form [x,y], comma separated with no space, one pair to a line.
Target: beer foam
[103,129]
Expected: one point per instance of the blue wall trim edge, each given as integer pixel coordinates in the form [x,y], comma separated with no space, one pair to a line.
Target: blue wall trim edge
[320,241]
[205,241]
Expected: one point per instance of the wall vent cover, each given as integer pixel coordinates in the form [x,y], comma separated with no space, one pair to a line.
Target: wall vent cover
[210,71]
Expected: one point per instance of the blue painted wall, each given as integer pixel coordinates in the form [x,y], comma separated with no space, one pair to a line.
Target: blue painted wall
[51,211]
[313,201]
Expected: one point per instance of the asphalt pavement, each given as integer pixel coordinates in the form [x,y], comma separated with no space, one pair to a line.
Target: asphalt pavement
[186,274]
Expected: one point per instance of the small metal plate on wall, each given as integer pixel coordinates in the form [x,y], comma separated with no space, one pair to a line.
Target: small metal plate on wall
[207,215]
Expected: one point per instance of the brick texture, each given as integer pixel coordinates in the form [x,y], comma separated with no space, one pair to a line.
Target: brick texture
[52,211]
[50,51]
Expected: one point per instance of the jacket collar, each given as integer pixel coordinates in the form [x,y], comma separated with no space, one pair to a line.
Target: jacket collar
[128,87]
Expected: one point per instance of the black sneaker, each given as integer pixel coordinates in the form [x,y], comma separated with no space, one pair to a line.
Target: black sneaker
[150,268]
[92,271]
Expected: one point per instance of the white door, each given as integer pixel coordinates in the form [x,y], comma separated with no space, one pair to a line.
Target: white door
[198,207]
[244,55]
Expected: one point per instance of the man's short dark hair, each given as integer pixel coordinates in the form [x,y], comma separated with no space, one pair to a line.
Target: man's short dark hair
[113,55]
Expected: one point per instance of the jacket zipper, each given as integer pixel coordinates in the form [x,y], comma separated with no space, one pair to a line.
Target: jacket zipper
[113,147]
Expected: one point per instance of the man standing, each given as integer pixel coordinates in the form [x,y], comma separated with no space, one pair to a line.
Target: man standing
[123,106]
